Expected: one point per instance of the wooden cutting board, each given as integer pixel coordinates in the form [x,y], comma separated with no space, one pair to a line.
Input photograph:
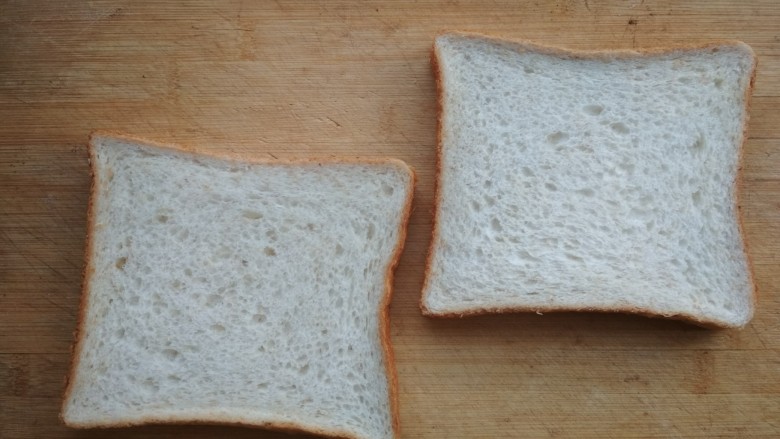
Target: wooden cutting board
[296,78]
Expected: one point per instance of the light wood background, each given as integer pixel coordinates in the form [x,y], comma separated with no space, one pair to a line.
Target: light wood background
[334,78]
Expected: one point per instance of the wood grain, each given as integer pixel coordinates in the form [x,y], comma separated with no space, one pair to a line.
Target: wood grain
[340,78]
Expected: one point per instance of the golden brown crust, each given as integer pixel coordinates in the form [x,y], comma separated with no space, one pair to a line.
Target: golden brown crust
[436,180]
[473,312]
[597,54]
[738,180]
[579,54]
[384,311]
[284,427]
[384,306]
[78,334]
[248,159]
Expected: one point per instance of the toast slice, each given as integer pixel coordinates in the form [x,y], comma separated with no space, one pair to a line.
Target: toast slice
[232,291]
[593,181]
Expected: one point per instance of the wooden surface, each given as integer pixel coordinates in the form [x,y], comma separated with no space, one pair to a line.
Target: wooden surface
[294,78]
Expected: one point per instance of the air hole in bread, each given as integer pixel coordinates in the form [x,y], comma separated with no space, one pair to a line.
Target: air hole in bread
[120,263]
[387,189]
[585,148]
[557,137]
[371,231]
[217,328]
[150,385]
[269,251]
[628,168]
[523,254]
[593,110]
[495,224]
[586,192]
[252,215]
[550,187]
[224,252]
[213,300]
[696,197]
[170,354]
[698,145]
[620,128]
[162,219]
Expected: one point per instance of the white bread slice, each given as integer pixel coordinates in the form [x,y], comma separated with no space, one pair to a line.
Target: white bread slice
[222,290]
[601,181]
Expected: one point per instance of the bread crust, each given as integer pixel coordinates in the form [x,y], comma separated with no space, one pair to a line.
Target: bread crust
[78,333]
[588,55]
[740,176]
[383,311]
[384,308]
[280,426]
[437,183]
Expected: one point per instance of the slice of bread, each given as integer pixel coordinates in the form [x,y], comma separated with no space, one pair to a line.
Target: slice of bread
[224,290]
[598,181]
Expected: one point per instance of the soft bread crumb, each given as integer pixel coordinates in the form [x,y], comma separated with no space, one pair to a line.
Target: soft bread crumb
[232,292]
[594,181]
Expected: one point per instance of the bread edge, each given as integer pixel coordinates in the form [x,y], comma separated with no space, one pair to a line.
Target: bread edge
[384,311]
[588,54]
[384,305]
[78,333]
[437,183]
[599,54]
[281,426]
[240,158]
